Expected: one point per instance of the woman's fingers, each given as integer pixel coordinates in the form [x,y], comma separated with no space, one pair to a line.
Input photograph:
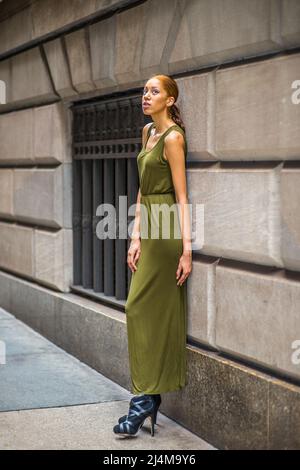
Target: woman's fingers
[181,279]
[135,258]
[132,259]
[178,271]
[131,264]
[181,276]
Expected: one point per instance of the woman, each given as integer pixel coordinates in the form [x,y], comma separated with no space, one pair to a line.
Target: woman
[156,304]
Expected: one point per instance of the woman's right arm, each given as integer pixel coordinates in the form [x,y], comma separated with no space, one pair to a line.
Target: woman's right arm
[134,250]
[137,218]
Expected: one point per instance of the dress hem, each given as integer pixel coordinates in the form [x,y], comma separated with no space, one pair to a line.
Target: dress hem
[180,387]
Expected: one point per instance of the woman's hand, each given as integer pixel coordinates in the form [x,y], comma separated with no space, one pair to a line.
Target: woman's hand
[184,267]
[134,254]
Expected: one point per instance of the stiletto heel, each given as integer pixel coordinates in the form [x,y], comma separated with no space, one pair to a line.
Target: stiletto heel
[138,412]
[157,405]
[136,399]
[152,423]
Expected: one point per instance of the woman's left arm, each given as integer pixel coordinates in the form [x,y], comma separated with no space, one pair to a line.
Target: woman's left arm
[174,150]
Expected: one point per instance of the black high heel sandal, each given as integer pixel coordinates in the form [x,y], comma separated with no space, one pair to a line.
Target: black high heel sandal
[136,399]
[138,412]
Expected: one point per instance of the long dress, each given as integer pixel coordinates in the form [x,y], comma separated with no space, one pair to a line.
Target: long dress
[156,308]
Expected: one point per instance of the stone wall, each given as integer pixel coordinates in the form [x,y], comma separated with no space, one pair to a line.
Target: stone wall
[236,63]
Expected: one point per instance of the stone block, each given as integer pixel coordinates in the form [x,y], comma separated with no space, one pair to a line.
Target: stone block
[16,130]
[154,55]
[38,135]
[77,47]
[17,249]
[16,30]
[290,22]
[6,193]
[102,43]
[256,118]
[31,84]
[215,32]
[59,68]
[38,196]
[201,302]
[54,258]
[50,15]
[241,212]
[290,220]
[52,134]
[196,103]
[258,318]
[128,44]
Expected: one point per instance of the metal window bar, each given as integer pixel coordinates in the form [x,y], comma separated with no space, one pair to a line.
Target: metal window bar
[106,140]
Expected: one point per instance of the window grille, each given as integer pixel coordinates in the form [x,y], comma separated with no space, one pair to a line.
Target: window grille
[106,140]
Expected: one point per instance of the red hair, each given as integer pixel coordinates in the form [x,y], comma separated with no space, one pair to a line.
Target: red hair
[171,88]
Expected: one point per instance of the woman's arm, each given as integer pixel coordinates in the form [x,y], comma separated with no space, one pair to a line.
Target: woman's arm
[137,218]
[174,149]
[134,250]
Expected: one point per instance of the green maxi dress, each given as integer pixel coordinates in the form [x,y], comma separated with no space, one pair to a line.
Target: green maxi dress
[156,308]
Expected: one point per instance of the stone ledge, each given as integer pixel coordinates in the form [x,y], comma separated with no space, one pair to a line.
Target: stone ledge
[44,17]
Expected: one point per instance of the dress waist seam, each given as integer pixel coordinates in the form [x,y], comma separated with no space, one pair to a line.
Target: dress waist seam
[157,194]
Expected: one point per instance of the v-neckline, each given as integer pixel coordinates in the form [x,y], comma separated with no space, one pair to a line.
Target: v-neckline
[150,150]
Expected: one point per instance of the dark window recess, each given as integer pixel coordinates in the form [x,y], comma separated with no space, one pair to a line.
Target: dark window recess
[106,140]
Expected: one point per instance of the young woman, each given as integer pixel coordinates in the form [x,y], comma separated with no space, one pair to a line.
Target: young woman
[156,307]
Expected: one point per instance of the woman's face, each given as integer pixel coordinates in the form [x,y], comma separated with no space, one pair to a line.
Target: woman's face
[154,98]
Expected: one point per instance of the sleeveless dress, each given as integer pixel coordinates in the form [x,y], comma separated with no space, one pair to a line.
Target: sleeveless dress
[156,308]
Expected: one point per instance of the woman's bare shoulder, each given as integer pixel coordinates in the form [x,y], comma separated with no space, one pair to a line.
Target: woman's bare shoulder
[145,131]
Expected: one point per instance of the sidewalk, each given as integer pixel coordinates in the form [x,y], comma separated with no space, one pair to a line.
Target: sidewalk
[51,400]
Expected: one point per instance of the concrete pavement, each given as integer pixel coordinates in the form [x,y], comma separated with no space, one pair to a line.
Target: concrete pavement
[51,400]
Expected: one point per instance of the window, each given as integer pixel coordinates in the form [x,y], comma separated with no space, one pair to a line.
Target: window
[106,140]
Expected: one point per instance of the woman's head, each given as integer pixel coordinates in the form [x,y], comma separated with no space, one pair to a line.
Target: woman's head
[161,92]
